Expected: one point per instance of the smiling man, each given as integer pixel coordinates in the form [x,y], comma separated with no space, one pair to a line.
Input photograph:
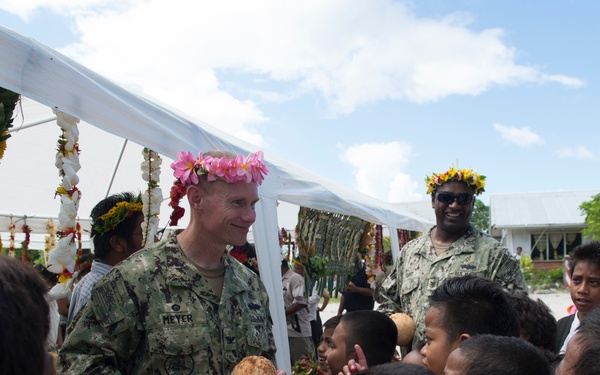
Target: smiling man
[182,305]
[453,247]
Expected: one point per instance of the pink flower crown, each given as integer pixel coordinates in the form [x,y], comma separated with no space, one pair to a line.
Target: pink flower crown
[187,169]
[239,169]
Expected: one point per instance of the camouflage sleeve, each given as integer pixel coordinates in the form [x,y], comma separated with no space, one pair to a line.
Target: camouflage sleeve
[103,336]
[507,272]
[388,294]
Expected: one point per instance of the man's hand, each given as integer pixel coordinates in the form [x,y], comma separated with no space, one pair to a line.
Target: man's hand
[352,365]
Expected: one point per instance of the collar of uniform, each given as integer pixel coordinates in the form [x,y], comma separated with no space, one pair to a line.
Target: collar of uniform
[182,272]
[465,244]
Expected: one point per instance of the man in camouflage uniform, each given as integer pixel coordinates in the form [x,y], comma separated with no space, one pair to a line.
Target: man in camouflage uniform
[454,247]
[182,305]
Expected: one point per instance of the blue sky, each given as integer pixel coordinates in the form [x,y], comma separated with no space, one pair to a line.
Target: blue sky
[371,94]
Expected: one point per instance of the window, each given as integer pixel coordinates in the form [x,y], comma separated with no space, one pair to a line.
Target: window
[553,246]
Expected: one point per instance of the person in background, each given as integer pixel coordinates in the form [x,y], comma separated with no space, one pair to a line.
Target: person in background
[453,247]
[24,326]
[54,340]
[358,294]
[517,254]
[182,305]
[313,307]
[584,288]
[116,234]
[296,314]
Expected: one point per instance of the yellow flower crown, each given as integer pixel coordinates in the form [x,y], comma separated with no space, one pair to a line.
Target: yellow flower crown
[116,215]
[473,179]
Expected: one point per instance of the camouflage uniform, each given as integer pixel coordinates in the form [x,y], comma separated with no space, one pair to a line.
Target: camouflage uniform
[155,314]
[419,271]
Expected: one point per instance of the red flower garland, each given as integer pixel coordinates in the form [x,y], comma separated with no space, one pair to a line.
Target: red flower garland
[25,244]
[177,193]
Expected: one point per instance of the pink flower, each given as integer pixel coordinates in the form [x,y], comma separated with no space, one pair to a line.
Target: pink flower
[258,168]
[184,168]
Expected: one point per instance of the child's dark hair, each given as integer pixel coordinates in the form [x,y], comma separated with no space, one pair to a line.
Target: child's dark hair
[394,368]
[538,325]
[586,252]
[375,332]
[25,323]
[124,229]
[48,276]
[474,305]
[502,355]
[332,322]
[588,335]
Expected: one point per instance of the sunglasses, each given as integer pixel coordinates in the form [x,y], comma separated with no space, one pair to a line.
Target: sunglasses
[448,198]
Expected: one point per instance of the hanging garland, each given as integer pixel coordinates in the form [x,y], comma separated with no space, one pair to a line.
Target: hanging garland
[25,244]
[11,244]
[152,198]
[369,252]
[50,240]
[62,259]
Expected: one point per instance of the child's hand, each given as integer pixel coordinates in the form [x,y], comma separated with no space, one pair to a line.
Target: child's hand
[352,365]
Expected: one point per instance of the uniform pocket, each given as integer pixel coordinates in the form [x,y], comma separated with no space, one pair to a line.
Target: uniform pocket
[409,285]
[175,350]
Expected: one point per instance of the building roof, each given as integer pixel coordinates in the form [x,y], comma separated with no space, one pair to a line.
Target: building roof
[420,208]
[542,209]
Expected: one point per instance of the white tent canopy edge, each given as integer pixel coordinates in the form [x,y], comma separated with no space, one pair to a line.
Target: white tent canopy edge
[50,78]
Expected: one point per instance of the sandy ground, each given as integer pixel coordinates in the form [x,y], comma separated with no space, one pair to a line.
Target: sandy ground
[558,301]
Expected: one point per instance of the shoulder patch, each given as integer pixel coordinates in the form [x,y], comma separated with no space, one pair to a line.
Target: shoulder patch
[110,299]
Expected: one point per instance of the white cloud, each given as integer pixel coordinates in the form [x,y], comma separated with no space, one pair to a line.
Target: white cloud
[351,52]
[378,170]
[579,152]
[523,137]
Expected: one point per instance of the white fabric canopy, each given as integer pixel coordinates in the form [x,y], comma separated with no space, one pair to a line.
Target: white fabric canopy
[48,77]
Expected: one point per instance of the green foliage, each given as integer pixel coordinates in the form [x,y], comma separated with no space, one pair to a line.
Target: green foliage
[8,102]
[535,277]
[591,210]
[481,216]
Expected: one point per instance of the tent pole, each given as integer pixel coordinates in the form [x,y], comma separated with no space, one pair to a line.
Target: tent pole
[112,179]
[32,124]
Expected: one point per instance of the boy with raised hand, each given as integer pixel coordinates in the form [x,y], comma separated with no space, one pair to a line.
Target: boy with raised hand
[365,335]
[584,288]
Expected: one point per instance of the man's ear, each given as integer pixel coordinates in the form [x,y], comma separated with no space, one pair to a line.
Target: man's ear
[118,243]
[195,195]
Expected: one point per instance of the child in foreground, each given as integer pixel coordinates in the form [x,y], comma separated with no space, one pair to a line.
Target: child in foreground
[498,355]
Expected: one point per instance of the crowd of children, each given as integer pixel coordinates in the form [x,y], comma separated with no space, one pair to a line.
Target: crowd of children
[474,327]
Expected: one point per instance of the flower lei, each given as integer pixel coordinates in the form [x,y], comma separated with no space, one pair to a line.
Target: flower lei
[370,253]
[62,259]
[472,178]
[11,243]
[152,198]
[306,366]
[50,240]
[186,170]
[25,244]
[116,215]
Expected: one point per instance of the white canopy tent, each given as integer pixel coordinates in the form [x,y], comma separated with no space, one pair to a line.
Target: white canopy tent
[53,80]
